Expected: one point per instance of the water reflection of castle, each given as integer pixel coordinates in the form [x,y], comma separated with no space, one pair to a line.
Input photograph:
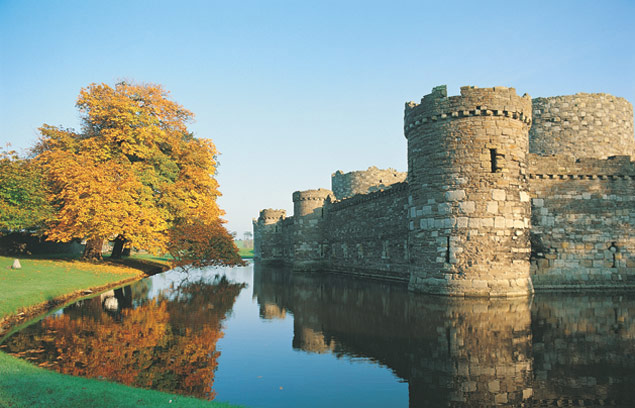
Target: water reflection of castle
[565,351]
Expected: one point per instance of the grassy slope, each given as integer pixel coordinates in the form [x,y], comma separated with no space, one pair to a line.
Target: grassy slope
[24,385]
[42,280]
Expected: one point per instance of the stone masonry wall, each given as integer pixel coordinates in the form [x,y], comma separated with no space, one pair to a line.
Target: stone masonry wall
[367,235]
[346,185]
[582,125]
[469,201]
[583,218]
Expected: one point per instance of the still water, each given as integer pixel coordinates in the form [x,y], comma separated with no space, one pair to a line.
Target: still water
[266,337]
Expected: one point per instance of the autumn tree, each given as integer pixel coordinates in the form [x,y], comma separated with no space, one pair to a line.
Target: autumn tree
[133,174]
[23,199]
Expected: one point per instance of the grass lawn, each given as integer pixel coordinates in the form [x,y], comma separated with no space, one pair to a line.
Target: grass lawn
[41,280]
[246,253]
[25,385]
[242,250]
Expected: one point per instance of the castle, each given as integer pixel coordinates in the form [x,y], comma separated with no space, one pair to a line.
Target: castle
[503,194]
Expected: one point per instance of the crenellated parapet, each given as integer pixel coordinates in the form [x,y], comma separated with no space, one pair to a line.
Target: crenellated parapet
[271,216]
[473,102]
[395,189]
[308,201]
[566,167]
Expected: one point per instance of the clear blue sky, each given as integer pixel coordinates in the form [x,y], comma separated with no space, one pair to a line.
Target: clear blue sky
[291,91]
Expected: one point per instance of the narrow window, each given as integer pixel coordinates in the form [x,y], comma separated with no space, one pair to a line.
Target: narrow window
[493,160]
[384,250]
[613,249]
[447,251]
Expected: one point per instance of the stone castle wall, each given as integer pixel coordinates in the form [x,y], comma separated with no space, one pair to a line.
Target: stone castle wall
[583,222]
[367,235]
[346,185]
[479,215]
[582,125]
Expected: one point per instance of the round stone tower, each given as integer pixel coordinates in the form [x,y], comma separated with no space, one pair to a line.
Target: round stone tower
[582,125]
[271,216]
[468,203]
[346,185]
[308,214]
[268,235]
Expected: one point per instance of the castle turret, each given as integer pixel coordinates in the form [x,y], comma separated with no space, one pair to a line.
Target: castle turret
[469,205]
[268,235]
[582,125]
[308,214]
[346,185]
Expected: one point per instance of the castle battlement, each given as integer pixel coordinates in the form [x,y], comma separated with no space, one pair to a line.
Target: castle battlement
[394,189]
[473,101]
[503,194]
[347,185]
[319,194]
[569,167]
[271,214]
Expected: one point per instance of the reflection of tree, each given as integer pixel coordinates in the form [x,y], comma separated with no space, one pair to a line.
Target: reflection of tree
[167,343]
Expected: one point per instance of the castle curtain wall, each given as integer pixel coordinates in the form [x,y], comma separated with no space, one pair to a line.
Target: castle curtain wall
[367,235]
[583,218]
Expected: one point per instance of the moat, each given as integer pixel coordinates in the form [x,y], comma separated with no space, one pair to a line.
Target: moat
[267,337]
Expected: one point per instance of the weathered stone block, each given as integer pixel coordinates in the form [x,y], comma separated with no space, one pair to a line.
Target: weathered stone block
[492,207]
[455,195]
[467,207]
[498,195]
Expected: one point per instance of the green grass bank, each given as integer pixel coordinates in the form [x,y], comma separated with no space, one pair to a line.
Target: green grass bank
[34,288]
[245,252]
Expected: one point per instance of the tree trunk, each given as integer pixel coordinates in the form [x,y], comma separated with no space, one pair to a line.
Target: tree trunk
[92,251]
[117,249]
[126,251]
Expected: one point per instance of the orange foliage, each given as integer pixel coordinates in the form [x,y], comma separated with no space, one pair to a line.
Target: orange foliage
[134,172]
[200,244]
[102,199]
